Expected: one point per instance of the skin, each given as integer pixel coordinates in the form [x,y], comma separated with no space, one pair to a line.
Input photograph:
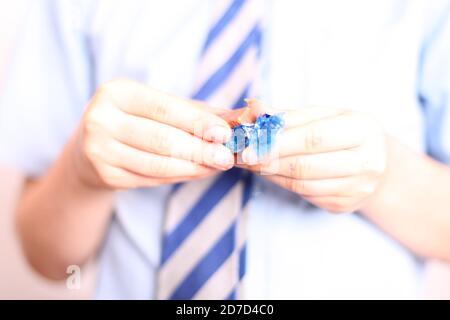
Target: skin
[130,136]
[333,158]
[343,161]
[134,136]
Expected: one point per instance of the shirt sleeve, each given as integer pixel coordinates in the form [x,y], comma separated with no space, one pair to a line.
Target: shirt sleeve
[434,87]
[46,85]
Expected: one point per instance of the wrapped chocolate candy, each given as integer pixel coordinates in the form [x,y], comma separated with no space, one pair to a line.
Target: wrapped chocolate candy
[241,137]
[259,133]
[266,129]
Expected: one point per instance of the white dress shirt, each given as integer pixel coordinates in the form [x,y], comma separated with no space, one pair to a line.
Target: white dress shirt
[390,58]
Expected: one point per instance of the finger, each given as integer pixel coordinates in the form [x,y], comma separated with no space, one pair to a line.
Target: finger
[140,100]
[239,116]
[120,178]
[150,164]
[250,156]
[328,165]
[307,115]
[294,117]
[154,137]
[348,186]
[334,204]
[330,134]
[208,108]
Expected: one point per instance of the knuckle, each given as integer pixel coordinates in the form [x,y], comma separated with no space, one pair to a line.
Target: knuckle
[92,151]
[102,120]
[200,129]
[131,134]
[119,125]
[297,186]
[158,167]
[93,121]
[111,177]
[114,84]
[313,139]
[120,92]
[340,206]
[367,188]
[107,87]
[161,140]
[159,109]
[160,112]
[299,168]
[337,210]
[373,165]
[198,152]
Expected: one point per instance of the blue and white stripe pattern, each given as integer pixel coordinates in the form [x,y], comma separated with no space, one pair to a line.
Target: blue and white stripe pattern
[204,241]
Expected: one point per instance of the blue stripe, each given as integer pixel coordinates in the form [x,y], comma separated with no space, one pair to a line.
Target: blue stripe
[232,296]
[176,187]
[242,269]
[225,246]
[240,102]
[223,22]
[248,187]
[242,262]
[435,116]
[209,199]
[254,37]
[207,266]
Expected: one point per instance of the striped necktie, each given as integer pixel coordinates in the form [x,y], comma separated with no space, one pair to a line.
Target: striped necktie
[204,235]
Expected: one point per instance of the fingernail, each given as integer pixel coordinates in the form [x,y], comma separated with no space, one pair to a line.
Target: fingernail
[249,156]
[224,159]
[218,134]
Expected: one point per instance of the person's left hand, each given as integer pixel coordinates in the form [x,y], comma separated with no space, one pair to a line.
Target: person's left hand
[333,158]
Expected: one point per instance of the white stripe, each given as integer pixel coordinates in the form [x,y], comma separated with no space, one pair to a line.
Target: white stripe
[219,285]
[181,202]
[228,41]
[241,232]
[240,291]
[242,75]
[200,242]
[225,213]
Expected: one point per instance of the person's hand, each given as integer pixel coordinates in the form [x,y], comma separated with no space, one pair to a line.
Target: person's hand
[133,136]
[333,158]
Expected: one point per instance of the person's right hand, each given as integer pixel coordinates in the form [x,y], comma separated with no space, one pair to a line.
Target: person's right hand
[134,136]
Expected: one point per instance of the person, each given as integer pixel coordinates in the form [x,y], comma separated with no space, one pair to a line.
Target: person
[98,112]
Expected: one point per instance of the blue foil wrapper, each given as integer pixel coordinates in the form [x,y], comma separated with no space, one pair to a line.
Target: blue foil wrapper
[261,135]
[272,122]
[240,137]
